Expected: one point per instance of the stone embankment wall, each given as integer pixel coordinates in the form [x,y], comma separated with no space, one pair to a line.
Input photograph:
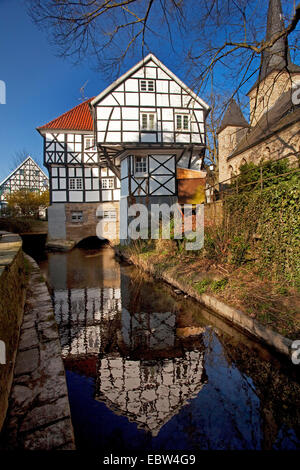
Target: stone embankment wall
[34,405]
[39,415]
[12,298]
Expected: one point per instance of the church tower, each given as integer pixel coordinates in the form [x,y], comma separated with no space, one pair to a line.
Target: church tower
[233,127]
[277,72]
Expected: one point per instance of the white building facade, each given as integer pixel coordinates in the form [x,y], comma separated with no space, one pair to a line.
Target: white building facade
[28,175]
[123,145]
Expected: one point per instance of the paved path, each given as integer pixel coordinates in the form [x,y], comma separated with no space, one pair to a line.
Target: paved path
[39,413]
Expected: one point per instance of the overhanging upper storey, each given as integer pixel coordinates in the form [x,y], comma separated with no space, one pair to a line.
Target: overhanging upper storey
[149,106]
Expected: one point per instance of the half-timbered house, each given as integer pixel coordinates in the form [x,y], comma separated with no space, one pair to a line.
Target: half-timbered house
[28,175]
[126,144]
[82,187]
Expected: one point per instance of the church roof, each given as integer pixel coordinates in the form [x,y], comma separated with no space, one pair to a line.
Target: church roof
[276,57]
[233,117]
[283,114]
[78,118]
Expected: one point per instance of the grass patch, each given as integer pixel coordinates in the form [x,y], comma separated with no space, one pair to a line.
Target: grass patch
[201,286]
[219,285]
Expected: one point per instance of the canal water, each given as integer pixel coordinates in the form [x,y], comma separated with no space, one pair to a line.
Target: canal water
[148,369]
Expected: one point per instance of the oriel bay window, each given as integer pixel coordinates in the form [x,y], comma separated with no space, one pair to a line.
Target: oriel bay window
[182,122]
[148,121]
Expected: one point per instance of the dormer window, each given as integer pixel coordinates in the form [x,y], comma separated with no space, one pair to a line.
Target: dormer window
[182,122]
[148,121]
[146,85]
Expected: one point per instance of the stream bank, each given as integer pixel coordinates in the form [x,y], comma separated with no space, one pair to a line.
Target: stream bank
[170,274]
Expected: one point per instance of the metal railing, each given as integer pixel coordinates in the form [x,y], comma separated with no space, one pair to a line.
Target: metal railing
[232,185]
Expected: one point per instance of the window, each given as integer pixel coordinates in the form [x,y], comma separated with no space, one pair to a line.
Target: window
[77,216]
[75,183]
[107,214]
[182,122]
[146,85]
[89,144]
[140,165]
[107,183]
[36,172]
[22,172]
[148,121]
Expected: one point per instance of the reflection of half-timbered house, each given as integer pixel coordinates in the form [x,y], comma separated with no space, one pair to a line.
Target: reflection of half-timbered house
[28,175]
[139,130]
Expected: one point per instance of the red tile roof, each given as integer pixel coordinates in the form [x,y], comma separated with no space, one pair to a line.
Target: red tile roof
[78,118]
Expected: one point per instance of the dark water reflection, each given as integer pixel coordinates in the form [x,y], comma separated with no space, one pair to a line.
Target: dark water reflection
[150,370]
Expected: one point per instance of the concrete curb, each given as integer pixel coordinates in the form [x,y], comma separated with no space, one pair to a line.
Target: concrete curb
[238,318]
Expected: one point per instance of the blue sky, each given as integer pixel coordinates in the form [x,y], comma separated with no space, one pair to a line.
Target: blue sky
[40,86]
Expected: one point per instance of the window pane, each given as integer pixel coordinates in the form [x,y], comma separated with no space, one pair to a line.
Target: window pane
[151,121]
[143,85]
[185,122]
[178,121]
[140,164]
[144,121]
[150,85]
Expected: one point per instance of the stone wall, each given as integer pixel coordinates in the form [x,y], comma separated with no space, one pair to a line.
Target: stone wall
[62,227]
[228,138]
[267,93]
[88,227]
[39,416]
[213,213]
[12,298]
[275,147]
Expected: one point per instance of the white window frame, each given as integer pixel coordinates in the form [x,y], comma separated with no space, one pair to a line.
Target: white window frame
[110,214]
[75,184]
[89,147]
[183,116]
[148,114]
[144,161]
[77,217]
[107,183]
[147,85]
